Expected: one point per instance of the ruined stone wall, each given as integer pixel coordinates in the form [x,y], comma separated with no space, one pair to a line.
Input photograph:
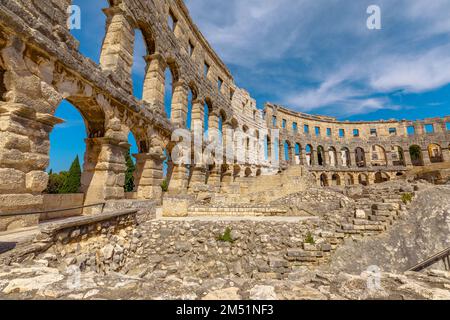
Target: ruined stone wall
[343,152]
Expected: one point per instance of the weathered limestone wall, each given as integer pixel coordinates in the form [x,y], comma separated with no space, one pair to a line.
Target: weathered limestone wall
[61,201]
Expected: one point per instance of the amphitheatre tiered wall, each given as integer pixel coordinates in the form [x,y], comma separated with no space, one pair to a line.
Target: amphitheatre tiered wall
[40,66]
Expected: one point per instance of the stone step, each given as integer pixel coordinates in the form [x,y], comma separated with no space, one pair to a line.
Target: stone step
[236,211]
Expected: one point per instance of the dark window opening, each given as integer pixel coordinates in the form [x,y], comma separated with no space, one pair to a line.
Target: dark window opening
[2,85]
[206,69]
[172,21]
[191,48]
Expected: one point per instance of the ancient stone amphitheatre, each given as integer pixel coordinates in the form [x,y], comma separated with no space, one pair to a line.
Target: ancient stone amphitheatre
[308,207]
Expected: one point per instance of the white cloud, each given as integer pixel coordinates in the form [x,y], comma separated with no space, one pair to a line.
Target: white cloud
[337,62]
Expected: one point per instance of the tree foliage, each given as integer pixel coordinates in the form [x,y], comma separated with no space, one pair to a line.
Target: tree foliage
[129,175]
[72,183]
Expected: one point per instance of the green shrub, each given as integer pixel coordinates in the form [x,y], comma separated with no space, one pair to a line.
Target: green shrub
[407,198]
[309,238]
[129,175]
[165,185]
[226,236]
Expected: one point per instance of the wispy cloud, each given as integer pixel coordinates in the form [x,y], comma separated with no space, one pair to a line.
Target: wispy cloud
[339,63]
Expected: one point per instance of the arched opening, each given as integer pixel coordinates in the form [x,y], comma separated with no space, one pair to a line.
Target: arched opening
[83,24]
[324,180]
[381,177]
[378,156]
[287,147]
[397,155]
[298,154]
[2,82]
[363,179]
[74,152]
[168,91]
[415,152]
[400,174]
[336,180]
[320,156]
[360,157]
[268,148]
[236,172]
[309,155]
[192,96]
[332,156]
[139,63]
[345,157]
[248,172]
[130,178]
[207,111]
[349,180]
[258,172]
[435,153]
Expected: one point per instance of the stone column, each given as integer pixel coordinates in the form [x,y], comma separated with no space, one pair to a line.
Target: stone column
[108,176]
[353,159]
[179,104]
[149,175]
[314,158]
[426,157]
[446,154]
[24,149]
[154,82]
[213,130]
[198,177]
[407,157]
[227,176]
[303,157]
[118,45]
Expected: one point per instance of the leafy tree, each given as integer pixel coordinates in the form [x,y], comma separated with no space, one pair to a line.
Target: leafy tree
[415,152]
[129,178]
[55,181]
[72,183]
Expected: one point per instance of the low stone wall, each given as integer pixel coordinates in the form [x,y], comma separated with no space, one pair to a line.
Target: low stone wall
[61,201]
[94,243]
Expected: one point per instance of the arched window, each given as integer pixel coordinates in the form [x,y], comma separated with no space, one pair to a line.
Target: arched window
[415,152]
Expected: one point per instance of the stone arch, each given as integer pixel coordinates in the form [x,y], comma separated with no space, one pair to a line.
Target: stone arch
[287,151]
[324,180]
[236,171]
[335,180]
[363,179]
[298,153]
[332,156]
[435,153]
[258,172]
[248,172]
[321,156]
[349,180]
[381,177]
[415,151]
[345,157]
[2,82]
[378,156]
[309,155]
[360,157]
[397,156]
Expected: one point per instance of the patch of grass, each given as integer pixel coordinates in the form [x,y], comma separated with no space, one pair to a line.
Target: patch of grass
[226,236]
[310,239]
[407,198]
[165,185]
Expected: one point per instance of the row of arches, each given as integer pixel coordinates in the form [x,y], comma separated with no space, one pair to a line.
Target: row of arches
[349,179]
[376,156]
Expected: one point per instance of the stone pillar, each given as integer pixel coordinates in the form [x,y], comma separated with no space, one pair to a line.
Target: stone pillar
[118,45]
[213,130]
[446,154]
[227,176]
[154,82]
[426,157]
[149,175]
[198,176]
[353,159]
[179,104]
[24,149]
[179,179]
[303,157]
[108,176]
[314,159]
[407,157]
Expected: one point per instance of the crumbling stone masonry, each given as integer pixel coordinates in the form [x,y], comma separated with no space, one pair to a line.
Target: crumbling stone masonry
[40,65]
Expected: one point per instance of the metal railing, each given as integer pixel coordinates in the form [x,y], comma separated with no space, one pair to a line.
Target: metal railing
[443,256]
[14,214]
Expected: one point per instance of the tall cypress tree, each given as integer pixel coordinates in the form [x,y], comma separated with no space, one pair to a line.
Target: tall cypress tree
[129,178]
[72,182]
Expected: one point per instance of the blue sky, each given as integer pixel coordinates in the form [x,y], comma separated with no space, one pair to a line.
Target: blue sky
[312,56]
